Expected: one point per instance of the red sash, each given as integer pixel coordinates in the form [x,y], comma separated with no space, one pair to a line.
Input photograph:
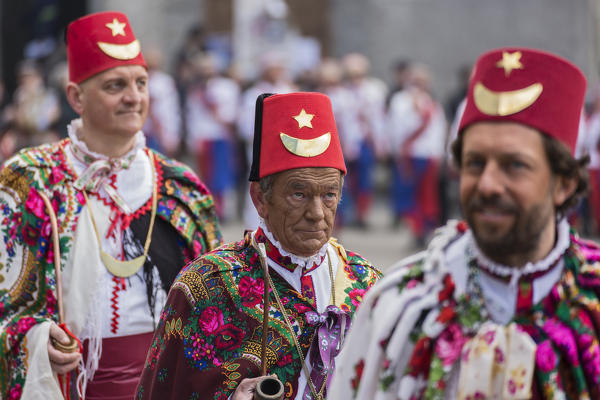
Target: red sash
[119,368]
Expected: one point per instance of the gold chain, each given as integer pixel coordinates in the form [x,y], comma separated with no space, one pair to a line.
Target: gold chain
[319,395]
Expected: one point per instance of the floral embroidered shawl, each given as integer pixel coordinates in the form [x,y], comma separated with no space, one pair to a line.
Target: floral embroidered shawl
[408,338]
[27,285]
[209,334]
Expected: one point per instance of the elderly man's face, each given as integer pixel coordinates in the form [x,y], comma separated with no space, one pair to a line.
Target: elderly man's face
[508,192]
[300,208]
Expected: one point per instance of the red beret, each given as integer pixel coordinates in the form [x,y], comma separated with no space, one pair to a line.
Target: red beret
[531,87]
[294,130]
[97,42]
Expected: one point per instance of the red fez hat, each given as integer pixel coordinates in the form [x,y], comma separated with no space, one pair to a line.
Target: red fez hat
[100,41]
[294,130]
[531,87]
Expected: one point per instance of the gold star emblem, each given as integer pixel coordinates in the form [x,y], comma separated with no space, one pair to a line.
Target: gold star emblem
[304,119]
[510,61]
[117,28]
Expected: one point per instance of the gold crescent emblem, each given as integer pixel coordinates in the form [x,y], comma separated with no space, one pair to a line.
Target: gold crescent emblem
[122,269]
[505,103]
[121,51]
[306,147]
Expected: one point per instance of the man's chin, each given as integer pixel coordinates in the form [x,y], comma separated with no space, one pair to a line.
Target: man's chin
[309,246]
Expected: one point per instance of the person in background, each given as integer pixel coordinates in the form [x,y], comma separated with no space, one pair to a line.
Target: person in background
[36,107]
[363,145]
[417,130]
[212,104]
[163,125]
[507,304]
[127,218]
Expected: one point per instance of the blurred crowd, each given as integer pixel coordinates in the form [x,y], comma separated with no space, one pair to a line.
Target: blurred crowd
[395,137]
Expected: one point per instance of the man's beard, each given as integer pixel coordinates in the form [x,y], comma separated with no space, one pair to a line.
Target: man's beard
[523,237]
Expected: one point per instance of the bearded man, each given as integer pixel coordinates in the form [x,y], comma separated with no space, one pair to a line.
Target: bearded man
[507,304]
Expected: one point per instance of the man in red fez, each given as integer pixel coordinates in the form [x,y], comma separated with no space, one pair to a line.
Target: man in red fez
[507,304]
[209,341]
[127,219]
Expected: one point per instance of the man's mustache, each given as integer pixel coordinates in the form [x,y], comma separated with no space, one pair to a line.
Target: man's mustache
[481,203]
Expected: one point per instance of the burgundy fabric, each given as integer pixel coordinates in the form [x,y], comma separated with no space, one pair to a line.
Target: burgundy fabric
[557,110]
[120,367]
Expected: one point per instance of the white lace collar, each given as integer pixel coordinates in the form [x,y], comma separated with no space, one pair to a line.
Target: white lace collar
[562,244]
[297,260]
[74,129]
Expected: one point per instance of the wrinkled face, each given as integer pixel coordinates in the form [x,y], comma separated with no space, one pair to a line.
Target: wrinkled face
[115,101]
[300,208]
[508,193]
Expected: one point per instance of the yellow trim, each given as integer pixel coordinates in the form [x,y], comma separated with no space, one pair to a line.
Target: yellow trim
[341,278]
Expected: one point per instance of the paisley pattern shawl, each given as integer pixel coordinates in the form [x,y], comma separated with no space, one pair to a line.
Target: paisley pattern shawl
[209,334]
[409,334]
[27,286]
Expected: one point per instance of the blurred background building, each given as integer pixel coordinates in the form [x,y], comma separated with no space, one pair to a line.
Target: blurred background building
[443,34]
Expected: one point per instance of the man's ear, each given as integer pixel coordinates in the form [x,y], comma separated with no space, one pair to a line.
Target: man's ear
[258,199]
[75,97]
[564,187]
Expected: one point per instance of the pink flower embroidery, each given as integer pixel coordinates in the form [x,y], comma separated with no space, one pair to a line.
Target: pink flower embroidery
[211,320]
[25,324]
[201,348]
[50,301]
[545,357]
[475,396]
[563,337]
[301,308]
[356,296]
[80,198]
[450,344]
[15,392]
[56,175]
[35,204]
[412,283]
[498,355]
[251,291]
[590,356]
[489,336]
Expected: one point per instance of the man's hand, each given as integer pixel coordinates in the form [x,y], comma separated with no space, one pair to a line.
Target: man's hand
[247,387]
[61,362]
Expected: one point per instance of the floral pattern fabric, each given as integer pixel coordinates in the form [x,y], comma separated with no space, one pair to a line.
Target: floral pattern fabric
[27,285]
[210,331]
[415,331]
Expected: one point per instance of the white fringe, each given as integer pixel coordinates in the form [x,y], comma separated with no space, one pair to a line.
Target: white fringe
[93,333]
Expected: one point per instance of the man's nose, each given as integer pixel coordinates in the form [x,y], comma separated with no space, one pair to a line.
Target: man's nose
[132,94]
[315,209]
[491,180]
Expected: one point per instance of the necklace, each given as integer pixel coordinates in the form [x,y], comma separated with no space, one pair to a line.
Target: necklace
[263,259]
[124,269]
